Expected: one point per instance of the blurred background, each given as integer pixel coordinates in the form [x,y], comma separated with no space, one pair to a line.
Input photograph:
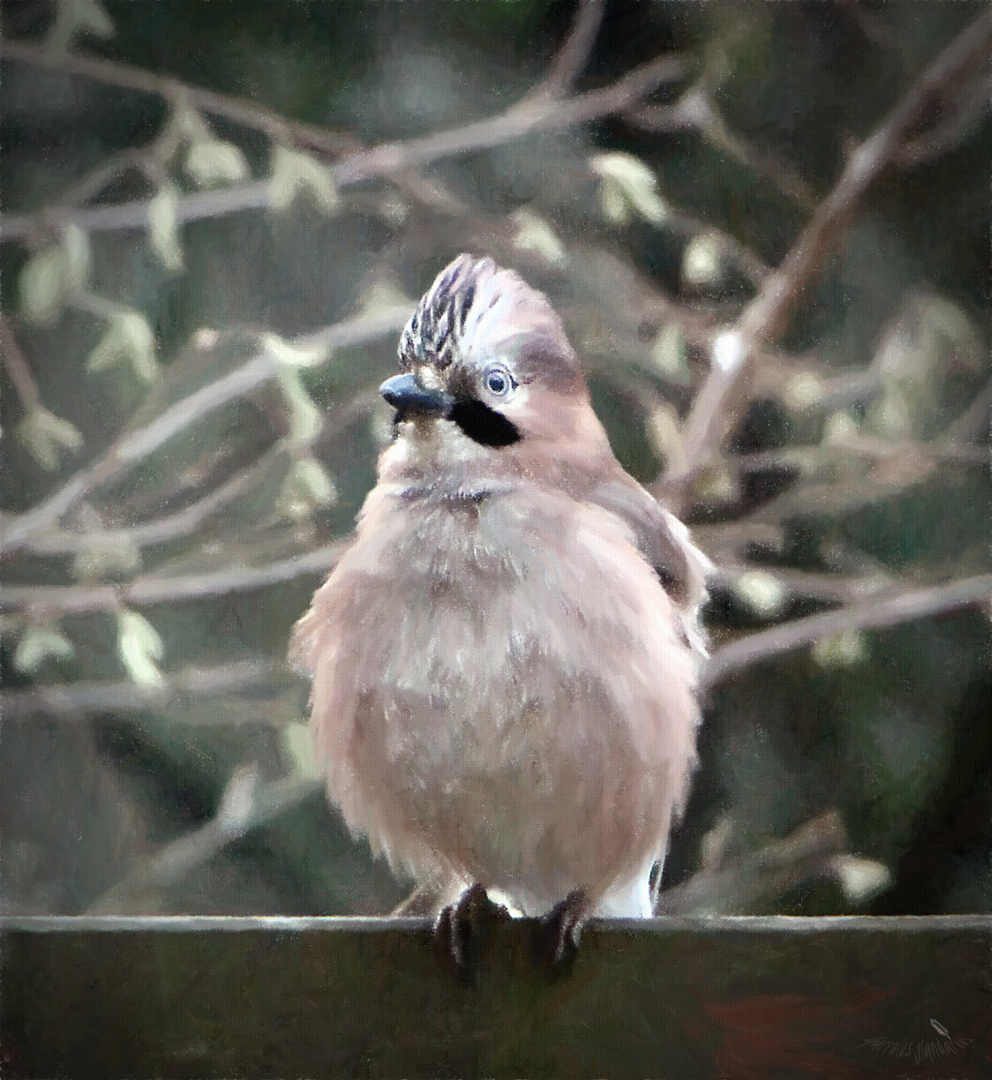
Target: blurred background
[766,227]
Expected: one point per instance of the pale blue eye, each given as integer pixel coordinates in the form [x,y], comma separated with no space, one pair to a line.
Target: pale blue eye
[498,381]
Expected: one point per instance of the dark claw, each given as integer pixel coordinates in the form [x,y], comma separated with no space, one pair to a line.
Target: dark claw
[559,933]
[460,927]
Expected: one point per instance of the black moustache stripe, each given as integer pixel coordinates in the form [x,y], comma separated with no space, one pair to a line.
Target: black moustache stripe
[484,425]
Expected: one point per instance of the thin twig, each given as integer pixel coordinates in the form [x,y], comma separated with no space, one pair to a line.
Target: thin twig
[182,523]
[730,540]
[151,589]
[870,614]
[695,111]
[83,698]
[751,265]
[836,587]
[872,469]
[571,58]
[822,458]
[722,399]
[609,275]
[240,110]
[938,452]
[766,317]
[959,119]
[758,878]
[94,182]
[778,376]
[137,445]
[17,367]
[245,805]
[388,159]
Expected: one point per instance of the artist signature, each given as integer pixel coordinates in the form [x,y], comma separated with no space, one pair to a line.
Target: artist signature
[941,1045]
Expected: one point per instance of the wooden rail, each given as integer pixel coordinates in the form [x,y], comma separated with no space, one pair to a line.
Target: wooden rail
[737,998]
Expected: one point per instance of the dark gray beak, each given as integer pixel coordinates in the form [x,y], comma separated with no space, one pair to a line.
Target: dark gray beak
[408,396]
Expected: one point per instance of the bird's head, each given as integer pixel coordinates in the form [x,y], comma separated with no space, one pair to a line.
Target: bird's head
[487,370]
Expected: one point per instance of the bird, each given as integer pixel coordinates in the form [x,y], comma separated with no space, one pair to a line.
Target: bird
[505,661]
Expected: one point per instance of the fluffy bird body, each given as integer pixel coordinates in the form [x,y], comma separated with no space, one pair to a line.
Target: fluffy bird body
[504,661]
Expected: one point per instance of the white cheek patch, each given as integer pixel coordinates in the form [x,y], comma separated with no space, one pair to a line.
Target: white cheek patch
[453,447]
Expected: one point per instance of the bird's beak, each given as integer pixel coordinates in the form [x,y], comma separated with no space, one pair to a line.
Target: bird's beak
[408,395]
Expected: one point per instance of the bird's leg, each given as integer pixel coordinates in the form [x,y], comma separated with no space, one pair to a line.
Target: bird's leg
[460,926]
[560,930]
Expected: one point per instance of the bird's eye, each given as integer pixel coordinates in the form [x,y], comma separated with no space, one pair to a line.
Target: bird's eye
[498,381]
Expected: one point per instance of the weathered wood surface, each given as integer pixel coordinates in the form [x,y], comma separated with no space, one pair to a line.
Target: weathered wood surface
[667,998]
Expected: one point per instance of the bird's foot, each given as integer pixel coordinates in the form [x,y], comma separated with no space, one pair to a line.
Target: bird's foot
[559,933]
[461,926]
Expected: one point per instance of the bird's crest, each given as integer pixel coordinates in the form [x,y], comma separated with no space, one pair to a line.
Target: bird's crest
[439,321]
[476,311]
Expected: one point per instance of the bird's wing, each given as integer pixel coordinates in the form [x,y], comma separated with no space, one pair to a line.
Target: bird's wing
[664,542]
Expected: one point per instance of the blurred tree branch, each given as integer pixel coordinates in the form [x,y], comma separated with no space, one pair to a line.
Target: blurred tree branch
[81,699]
[152,589]
[572,56]
[533,114]
[171,527]
[874,613]
[17,368]
[696,111]
[243,111]
[247,803]
[750,882]
[724,396]
[132,447]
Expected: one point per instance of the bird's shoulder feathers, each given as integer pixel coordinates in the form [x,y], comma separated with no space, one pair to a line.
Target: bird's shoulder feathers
[663,542]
